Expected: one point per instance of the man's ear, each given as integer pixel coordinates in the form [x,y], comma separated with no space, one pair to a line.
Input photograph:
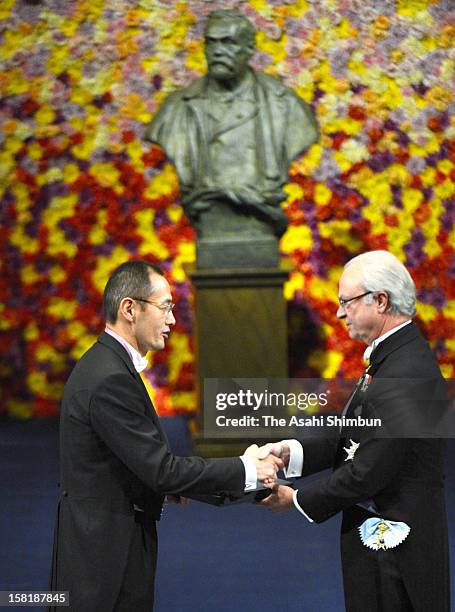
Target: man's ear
[126,310]
[382,300]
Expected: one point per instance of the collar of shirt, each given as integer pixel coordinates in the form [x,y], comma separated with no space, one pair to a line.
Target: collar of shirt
[374,344]
[139,362]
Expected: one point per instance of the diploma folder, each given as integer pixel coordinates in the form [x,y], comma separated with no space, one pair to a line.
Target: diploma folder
[224,498]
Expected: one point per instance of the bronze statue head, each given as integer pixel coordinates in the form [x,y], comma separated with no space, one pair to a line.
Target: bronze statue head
[229,44]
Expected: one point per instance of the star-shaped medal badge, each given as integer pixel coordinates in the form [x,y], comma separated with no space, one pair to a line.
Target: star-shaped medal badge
[351,450]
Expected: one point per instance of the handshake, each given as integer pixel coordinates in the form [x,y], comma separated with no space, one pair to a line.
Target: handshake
[269,460]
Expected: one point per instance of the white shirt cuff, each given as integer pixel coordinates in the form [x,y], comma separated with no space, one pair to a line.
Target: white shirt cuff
[296,504]
[251,476]
[295,467]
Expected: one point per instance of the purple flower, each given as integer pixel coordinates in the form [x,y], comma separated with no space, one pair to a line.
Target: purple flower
[380,160]
[434,296]
[157,375]
[328,168]
[260,60]
[448,217]
[396,194]
[415,165]
[338,61]
[160,219]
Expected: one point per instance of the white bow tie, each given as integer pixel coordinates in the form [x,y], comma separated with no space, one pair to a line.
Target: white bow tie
[140,363]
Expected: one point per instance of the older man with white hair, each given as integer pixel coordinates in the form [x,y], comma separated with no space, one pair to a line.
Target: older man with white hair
[389,484]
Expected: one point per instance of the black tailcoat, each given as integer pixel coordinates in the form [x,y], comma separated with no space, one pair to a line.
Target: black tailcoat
[404,477]
[114,455]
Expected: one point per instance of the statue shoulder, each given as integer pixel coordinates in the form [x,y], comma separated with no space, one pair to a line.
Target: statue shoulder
[193,90]
[274,85]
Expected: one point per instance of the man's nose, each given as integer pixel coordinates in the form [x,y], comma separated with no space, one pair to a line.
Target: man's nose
[170,319]
[341,313]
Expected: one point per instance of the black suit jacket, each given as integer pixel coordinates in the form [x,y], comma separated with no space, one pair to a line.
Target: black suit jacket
[403,476]
[114,454]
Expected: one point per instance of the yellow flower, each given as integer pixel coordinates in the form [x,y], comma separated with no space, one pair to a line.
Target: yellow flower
[196,57]
[339,232]
[274,48]
[180,353]
[165,183]
[294,191]
[377,190]
[398,237]
[346,30]
[106,174]
[70,172]
[294,284]
[31,331]
[410,9]
[83,343]
[411,199]
[23,242]
[296,237]
[428,176]
[323,289]
[432,248]
[61,308]
[327,362]
[44,115]
[18,409]
[69,27]
[57,274]
[105,265]
[426,312]
[343,124]
[354,151]
[37,382]
[186,255]
[174,213]
[29,275]
[184,400]
[446,36]
[85,149]
[297,8]
[446,368]
[439,96]
[322,194]
[398,175]
[445,190]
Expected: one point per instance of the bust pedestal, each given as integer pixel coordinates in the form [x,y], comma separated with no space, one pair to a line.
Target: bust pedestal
[241,329]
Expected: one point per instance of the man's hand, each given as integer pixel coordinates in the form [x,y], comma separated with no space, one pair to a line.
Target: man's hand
[280,500]
[267,464]
[279,449]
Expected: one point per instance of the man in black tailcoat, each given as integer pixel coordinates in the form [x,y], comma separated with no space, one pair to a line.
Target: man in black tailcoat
[116,465]
[389,482]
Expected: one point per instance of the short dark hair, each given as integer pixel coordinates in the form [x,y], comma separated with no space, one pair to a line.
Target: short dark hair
[247,29]
[130,279]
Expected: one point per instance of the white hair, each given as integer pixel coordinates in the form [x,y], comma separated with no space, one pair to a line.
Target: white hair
[382,271]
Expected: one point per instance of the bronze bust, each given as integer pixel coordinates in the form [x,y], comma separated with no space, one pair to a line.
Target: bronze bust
[232,135]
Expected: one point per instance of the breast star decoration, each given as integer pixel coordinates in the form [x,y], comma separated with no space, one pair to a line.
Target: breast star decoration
[351,450]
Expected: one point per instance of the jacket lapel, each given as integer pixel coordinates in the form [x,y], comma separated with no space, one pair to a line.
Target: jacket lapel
[118,349]
[392,343]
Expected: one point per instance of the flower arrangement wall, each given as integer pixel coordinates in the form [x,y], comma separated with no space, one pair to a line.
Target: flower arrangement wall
[81,191]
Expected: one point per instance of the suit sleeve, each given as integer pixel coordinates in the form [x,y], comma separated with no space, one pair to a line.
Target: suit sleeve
[119,416]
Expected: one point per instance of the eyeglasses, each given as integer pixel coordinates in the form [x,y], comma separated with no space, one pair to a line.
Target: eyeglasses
[166,308]
[356,297]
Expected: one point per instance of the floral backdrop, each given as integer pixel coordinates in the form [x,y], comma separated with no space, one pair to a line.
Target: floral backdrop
[81,191]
